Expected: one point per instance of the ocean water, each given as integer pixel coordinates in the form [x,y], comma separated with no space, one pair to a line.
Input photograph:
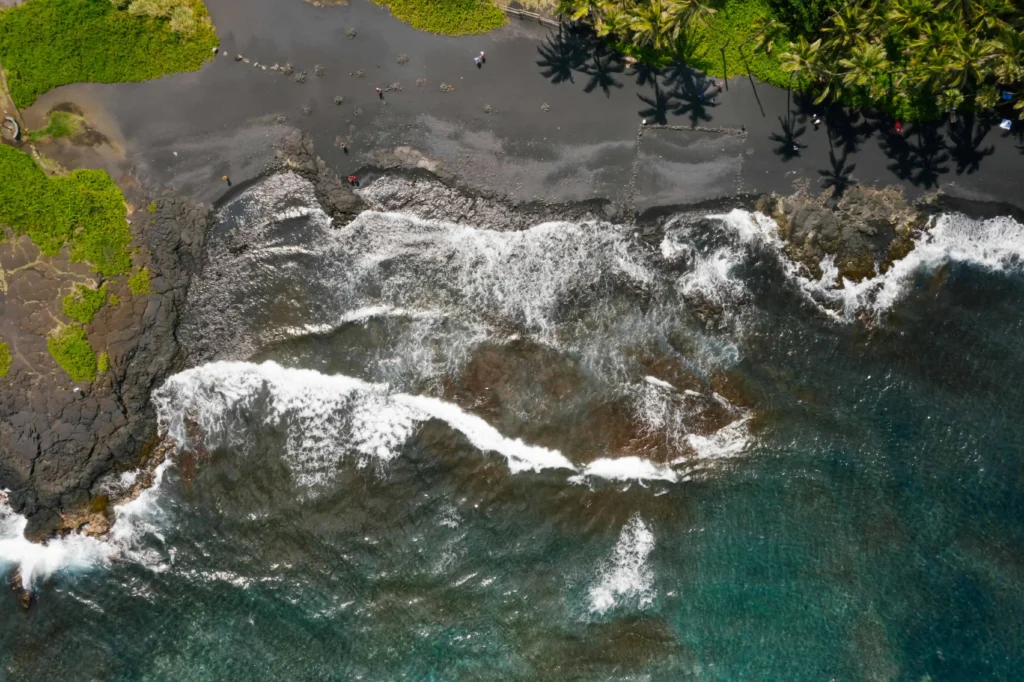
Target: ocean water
[416,450]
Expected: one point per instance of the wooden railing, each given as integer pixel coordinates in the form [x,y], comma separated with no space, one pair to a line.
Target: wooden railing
[524,14]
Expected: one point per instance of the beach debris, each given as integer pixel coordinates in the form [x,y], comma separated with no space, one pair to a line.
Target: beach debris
[402,59]
[246,60]
[545,107]
[394,87]
[307,111]
[300,77]
[339,142]
[275,67]
[318,69]
[358,73]
[264,67]
[358,111]
[256,64]
[239,57]
[214,50]
[338,99]
[488,109]
[421,82]
[445,87]
[281,120]
[287,69]
[350,33]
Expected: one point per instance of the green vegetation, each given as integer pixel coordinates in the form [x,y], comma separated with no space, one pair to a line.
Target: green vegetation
[48,43]
[72,351]
[103,362]
[450,17]
[114,299]
[62,124]
[83,303]
[152,207]
[139,282]
[5,359]
[85,210]
[913,58]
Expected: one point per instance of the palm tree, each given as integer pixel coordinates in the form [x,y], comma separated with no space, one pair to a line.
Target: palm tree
[867,62]
[652,24]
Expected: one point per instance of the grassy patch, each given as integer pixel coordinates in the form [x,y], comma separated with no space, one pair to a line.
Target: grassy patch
[48,43]
[114,299]
[5,359]
[139,282]
[83,303]
[62,124]
[85,210]
[152,207]
[72,351]
[103,362]
[734,23]
[450,17]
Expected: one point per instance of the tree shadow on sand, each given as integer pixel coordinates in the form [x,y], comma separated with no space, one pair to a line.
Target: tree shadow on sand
[839,176]
[561,54]
[694,92]
[966,136]
[919,156]
[602,67]
[788,138]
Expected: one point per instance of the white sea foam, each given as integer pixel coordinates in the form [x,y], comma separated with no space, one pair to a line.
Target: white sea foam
[729,441]
[655,381]
[626,469]
[76,552]
[325,417]
[626,576]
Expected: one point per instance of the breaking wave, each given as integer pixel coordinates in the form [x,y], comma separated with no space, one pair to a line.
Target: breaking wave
[326,418]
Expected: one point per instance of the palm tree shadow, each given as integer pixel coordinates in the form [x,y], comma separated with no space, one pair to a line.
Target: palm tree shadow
[919,157]
[787,138]
[847,128]
[658,106]
[644,73]
[694,91]
[966,148]
[839,177]
[562,53]
[601,67]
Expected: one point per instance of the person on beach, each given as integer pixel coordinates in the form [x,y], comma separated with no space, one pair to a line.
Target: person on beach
[816,122]
[380,93]
[898,127]
[482,57]
[353,180]
[479,62]
[226,179]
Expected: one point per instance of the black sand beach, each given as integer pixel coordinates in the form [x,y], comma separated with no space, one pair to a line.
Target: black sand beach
[546,118]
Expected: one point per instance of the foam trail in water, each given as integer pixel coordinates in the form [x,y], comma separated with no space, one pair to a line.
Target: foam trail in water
[626,575]
[77,552]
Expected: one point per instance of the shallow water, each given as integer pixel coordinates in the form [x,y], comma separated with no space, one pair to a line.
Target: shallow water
[430,451]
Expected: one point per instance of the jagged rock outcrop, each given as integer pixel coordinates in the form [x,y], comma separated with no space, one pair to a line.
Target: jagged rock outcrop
[863,230]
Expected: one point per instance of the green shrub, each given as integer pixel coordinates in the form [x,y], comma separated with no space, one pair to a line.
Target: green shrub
[48,43]
[84,210]
[103,362]
[114,299]
[62,124]
[735,22]
[139,282]
[83,302]
[450,17]
[152,207]
[5,359]
[72,351]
